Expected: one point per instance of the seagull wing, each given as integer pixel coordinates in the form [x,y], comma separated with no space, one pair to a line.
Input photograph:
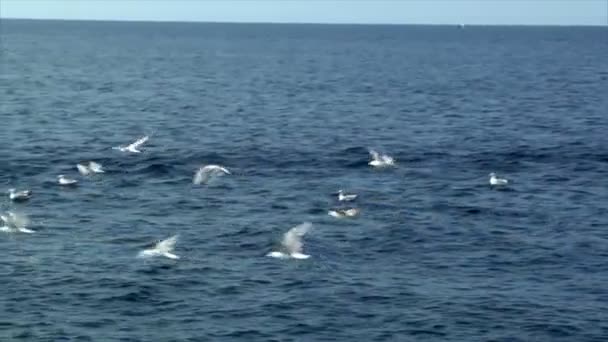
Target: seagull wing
[170,255]
[375,155]
[139,142]
[292,240]
[216,168]
[388,159]
[167,245]
[18,221]
[349,197]
[205,172]
[96,167]
[82,169]
[201,176]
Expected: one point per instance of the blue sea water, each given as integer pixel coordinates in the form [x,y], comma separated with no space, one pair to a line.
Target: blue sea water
[436,254]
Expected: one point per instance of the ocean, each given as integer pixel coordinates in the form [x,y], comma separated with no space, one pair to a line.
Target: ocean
[436,254]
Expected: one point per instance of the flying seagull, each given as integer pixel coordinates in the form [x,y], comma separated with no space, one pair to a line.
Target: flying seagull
[291,245]
[162,248]
[203,174]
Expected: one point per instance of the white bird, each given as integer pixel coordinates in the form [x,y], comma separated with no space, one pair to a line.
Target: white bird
[291,245]
[203,174]
[134,147]
[18,196]
[342,197]
[95,167]
[15,223]
[162,248]
[494,180]
[86,170]
[62,180]
[380,160]
[83,169]
[340,213]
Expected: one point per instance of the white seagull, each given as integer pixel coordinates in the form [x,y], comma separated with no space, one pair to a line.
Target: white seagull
[86,170]
[19,196]
[342,197]
[340,213]
[380,160]
[203,174]
[291,245]
[162,248]
[494,180]
[15,223]
[134,147]
[62,180]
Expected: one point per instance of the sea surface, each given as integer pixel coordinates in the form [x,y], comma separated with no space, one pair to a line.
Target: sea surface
[436,253]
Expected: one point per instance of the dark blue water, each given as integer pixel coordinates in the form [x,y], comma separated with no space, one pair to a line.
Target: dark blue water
[436,254]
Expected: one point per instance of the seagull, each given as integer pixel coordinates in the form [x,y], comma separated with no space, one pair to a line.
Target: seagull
[203,174]
[19,196]
[93,167]
[62,180]
[344,197]
[15,223]
[340,213]
[291,245]
[380,160]
[494,180]
[133,148]
[83,169]
[162,248]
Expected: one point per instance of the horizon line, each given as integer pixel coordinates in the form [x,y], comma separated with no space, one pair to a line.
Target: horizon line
[161,21]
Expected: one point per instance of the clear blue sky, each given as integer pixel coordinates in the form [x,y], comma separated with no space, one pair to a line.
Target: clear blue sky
[529,12]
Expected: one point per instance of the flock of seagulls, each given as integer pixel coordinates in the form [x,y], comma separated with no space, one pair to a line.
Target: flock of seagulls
[291,245]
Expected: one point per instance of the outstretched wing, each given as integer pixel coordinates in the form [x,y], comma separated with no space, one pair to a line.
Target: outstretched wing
[82,169]
[292,240]
[205,172]
[201,176]
[15,220]
[388,159]
[224,170]
[216,168]
[139,142]
[95,167]
[171,255]
[375,155]
[167,245]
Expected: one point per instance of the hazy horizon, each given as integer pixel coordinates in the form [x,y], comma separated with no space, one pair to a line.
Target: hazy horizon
[287,23]
[438,12]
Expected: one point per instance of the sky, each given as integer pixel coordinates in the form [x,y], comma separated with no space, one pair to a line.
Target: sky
[487,12]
